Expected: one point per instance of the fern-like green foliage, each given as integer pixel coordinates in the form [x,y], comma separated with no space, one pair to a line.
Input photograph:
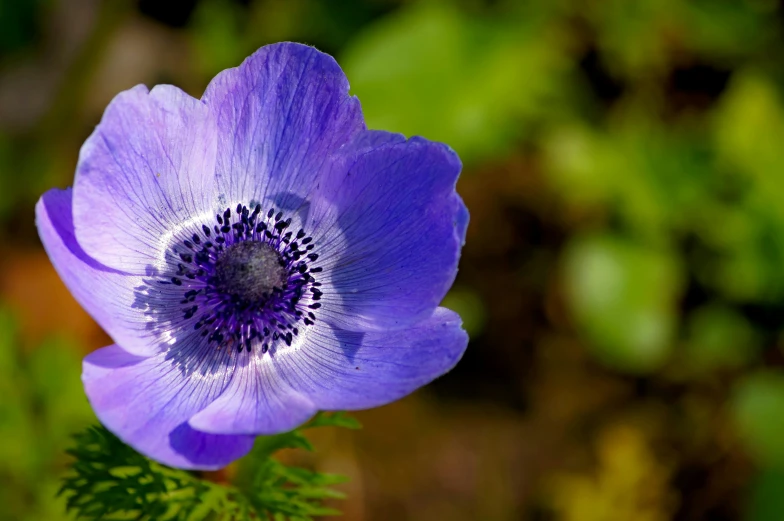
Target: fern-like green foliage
[110,481]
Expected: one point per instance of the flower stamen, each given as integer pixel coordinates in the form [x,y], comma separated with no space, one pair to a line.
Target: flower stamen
[246,281]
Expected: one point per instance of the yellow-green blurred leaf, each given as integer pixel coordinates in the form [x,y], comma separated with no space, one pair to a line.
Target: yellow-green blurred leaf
[433,70]
[719,337]
[623,298]
[758,402]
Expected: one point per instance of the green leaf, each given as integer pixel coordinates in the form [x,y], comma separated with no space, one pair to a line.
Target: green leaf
[109,480]
[333,419]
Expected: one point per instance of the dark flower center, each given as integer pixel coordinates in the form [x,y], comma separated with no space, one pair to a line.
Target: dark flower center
[250,270]
[246,281]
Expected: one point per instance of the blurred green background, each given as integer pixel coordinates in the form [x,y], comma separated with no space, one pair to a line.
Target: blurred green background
[623,278]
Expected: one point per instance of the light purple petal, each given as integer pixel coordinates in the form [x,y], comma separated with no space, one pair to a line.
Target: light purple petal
[389,231]
[146,402]
[333,369]
[147,168]
[260,400]
[108,295]
[348,370]
[280,114]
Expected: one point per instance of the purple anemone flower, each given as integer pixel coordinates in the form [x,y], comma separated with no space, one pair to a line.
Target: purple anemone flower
[257,255]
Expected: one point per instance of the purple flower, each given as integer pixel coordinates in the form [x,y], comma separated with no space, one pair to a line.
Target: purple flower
[257,255]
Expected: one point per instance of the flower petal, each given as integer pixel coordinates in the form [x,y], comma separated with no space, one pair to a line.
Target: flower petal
[280,114]
[147,167]
[389,231]
[351,370]
[108,295]
[334,369]
[146,402]
[259,400]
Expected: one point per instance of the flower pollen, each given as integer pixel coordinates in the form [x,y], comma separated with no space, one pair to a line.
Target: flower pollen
[250,270]
[247,280]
